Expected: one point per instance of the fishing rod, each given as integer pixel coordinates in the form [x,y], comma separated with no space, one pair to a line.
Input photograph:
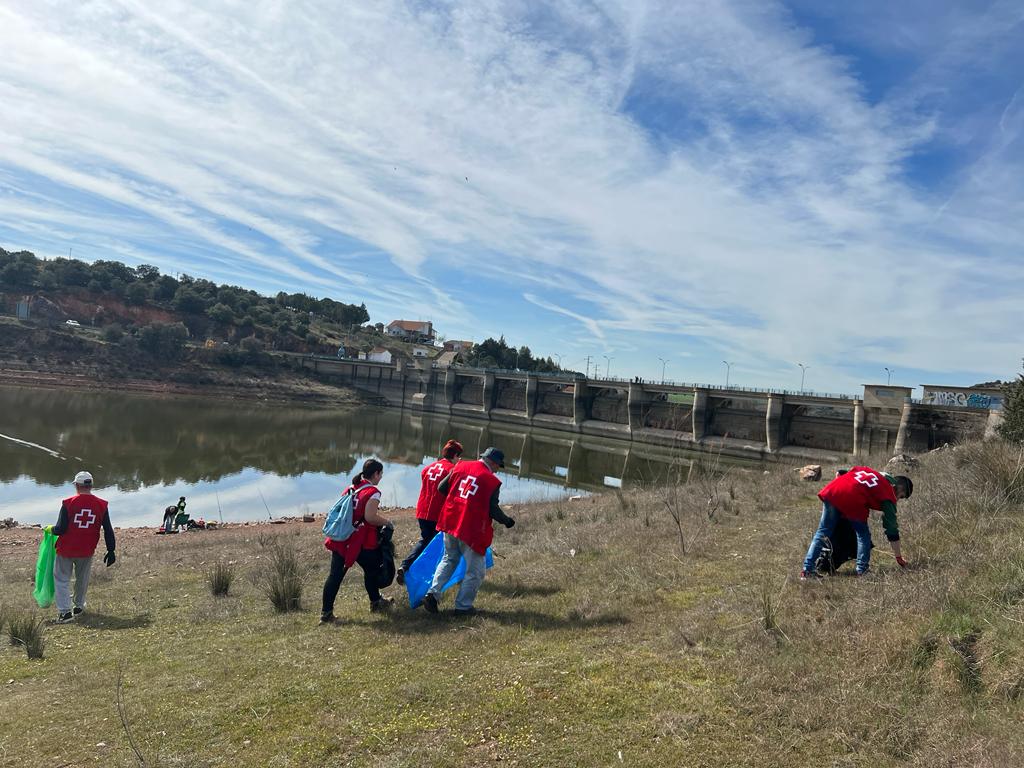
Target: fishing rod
[270,516]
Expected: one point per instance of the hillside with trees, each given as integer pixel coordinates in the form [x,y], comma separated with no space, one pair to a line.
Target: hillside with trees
[160,311]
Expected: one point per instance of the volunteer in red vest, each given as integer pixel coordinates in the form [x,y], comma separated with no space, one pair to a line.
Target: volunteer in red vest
[471,502]
[362,547]
[78,532]
[852,495]
[428,507]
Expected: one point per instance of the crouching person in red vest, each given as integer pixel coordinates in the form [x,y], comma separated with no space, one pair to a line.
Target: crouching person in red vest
[471,502]
[78,532]
[852,496]
[362,547]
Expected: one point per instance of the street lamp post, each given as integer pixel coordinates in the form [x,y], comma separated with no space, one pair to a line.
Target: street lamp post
[608,369]
[663,361]
[517,359]
[888,376]
[728,367]
[559,359]
[803,371]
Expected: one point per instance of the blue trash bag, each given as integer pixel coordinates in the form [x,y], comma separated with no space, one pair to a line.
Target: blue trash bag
[421,573]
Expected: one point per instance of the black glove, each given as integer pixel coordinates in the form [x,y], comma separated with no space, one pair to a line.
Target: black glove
[110,558]
[509,523]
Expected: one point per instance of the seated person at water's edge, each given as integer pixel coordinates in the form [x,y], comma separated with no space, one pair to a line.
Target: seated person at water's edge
[851,496]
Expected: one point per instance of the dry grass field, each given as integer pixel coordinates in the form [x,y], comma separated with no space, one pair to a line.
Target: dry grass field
[658,627]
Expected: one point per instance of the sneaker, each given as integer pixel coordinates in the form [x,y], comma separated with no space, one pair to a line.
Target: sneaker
[76,611]
[383,605]
[810,576]
[466,612]
[400,576]
[66,617]
[430,603]
[327,618]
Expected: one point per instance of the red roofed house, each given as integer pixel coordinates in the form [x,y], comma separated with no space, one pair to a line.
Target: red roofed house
[412,330]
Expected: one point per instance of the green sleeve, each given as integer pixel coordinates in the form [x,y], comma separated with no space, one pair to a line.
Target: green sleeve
[892,528]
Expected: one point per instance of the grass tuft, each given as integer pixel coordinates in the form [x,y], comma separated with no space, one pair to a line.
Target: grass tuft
[282,582]
[26,630]
[220,578]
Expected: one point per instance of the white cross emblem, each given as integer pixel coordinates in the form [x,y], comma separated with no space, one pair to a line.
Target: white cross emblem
[468,487]
[84,518]
[870,479]
[435,471]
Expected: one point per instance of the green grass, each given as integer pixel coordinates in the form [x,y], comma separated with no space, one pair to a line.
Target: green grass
[601,637]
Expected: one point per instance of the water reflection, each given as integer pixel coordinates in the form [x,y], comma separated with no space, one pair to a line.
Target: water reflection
[244,460]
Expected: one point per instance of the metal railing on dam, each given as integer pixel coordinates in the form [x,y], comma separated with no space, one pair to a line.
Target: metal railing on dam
[739,421]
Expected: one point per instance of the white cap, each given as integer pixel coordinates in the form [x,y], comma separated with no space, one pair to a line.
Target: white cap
[83,478]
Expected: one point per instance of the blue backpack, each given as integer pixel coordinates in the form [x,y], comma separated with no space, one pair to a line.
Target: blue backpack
[339,524]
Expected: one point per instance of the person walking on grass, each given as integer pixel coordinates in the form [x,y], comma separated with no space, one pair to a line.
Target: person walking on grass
[428,507]
[362,547]
[852,495]
[78,532]
[470,494]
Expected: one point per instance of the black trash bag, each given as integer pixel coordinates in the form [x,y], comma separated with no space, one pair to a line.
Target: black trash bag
[386,569]
[841,548]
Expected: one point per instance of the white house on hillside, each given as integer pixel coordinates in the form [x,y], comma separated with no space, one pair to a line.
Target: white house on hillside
[379,355]
[411,330]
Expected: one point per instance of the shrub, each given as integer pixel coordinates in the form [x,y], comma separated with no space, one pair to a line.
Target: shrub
[220,578]
[165,340]
[1012,427]
[113,333]
[282,583]
[27,630]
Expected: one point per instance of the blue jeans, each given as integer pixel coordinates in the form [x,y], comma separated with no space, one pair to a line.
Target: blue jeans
[829,518]
[476,566]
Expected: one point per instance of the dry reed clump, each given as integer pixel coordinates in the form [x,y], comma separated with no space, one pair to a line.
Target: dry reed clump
[220,577]
[282,580]
[26,630]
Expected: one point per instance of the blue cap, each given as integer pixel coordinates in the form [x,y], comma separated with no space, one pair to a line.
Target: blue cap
[496,455]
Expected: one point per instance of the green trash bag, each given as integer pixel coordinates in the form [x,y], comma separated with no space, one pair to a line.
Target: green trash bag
[43,592]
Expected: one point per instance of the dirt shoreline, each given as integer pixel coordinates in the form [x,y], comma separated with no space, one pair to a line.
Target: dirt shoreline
[295,392]
[11,539]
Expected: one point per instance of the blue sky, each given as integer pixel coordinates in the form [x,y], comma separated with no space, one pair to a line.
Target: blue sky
[835,184]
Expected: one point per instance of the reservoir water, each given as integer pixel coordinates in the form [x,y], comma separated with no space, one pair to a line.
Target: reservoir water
[245,460]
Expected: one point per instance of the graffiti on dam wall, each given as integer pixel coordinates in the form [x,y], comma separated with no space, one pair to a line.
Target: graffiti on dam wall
[964,399]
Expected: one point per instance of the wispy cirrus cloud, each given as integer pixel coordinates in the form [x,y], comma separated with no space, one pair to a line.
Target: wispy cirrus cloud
[764,181]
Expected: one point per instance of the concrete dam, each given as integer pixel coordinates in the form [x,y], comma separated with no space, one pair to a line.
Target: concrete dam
[739,422]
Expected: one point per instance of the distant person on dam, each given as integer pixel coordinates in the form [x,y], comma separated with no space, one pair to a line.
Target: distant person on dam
[470,504]
[428,506]
[851,496]
[79,522]
[362,547]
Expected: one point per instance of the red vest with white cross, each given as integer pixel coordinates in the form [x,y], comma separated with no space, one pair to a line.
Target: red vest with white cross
[428,507]
[85,520]
[466,513]
[857,492]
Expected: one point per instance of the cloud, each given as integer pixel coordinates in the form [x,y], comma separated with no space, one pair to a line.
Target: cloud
[723,173]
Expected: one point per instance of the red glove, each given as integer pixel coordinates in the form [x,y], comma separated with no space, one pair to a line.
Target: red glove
[901,562]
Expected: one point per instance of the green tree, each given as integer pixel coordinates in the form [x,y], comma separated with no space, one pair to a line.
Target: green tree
[164,340]
[147,273]
[137,293]
[166,287]
[221,313]
[22,270]
[113,333]
[187,300]
[1012,427]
